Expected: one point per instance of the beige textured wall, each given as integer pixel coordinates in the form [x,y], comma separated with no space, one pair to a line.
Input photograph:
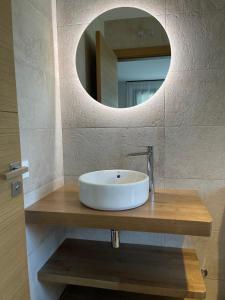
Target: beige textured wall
[40,125]
[185,120]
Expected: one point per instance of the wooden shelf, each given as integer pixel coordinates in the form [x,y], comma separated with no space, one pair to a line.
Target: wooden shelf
[173,211]
[81,293]
[133,268]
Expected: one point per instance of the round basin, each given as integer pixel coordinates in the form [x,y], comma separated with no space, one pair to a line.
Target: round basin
[114,189]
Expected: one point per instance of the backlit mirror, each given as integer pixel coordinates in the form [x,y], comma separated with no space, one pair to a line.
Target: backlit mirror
[123,57]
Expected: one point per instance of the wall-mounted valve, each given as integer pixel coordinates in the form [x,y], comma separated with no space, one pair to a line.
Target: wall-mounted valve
[204,272]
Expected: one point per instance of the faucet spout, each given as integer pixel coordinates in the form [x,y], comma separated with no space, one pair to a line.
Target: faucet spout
[150,165]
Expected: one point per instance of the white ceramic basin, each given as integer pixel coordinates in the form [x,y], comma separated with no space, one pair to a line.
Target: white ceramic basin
[114,189]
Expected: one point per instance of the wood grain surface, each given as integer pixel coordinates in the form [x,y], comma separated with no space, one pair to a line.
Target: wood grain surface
[172,211]
[133,268]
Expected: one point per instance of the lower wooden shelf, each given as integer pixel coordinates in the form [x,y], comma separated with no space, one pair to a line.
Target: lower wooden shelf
[133,268]
[87,293]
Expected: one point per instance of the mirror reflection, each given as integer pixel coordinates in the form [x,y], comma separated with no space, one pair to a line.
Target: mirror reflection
[123,57]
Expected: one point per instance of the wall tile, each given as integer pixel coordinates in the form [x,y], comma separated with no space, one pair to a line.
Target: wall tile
[44,7]
[37,194]
[186,184]
[37,235]
[141,238]
[173,240]
[36,97]
[193,7]
[195,152]
[68,39]
[36,261]
[130,237]
[87,150]
[188,53]
[108,148]
[42,148]
[72,12]
[31,82]
[89,234]
[33,41]
[195,98]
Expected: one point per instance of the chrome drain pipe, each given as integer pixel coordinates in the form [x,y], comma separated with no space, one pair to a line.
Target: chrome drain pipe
[115,238]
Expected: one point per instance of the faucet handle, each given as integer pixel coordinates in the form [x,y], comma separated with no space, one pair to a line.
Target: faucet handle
[150,149]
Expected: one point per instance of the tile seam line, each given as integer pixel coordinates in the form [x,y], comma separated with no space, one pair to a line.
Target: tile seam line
[138,127]
[8,111]
[40,12]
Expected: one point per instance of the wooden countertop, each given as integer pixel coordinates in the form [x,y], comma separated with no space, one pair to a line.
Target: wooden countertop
[173,211]
[133,268]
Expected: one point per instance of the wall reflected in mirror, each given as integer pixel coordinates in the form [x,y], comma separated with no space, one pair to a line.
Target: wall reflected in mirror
[123,57]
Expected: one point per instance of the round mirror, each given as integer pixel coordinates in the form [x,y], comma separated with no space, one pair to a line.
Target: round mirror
[123,57]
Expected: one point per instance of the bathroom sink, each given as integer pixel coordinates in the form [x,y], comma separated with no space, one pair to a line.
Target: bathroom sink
[114,189]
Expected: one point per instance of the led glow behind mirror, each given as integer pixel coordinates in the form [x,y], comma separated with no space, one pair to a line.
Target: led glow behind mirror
[123,57]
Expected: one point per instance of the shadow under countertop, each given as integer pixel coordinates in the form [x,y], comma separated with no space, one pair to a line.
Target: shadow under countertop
[87,293]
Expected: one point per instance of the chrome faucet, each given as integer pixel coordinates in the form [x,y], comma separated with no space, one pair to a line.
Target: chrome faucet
[150,167]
